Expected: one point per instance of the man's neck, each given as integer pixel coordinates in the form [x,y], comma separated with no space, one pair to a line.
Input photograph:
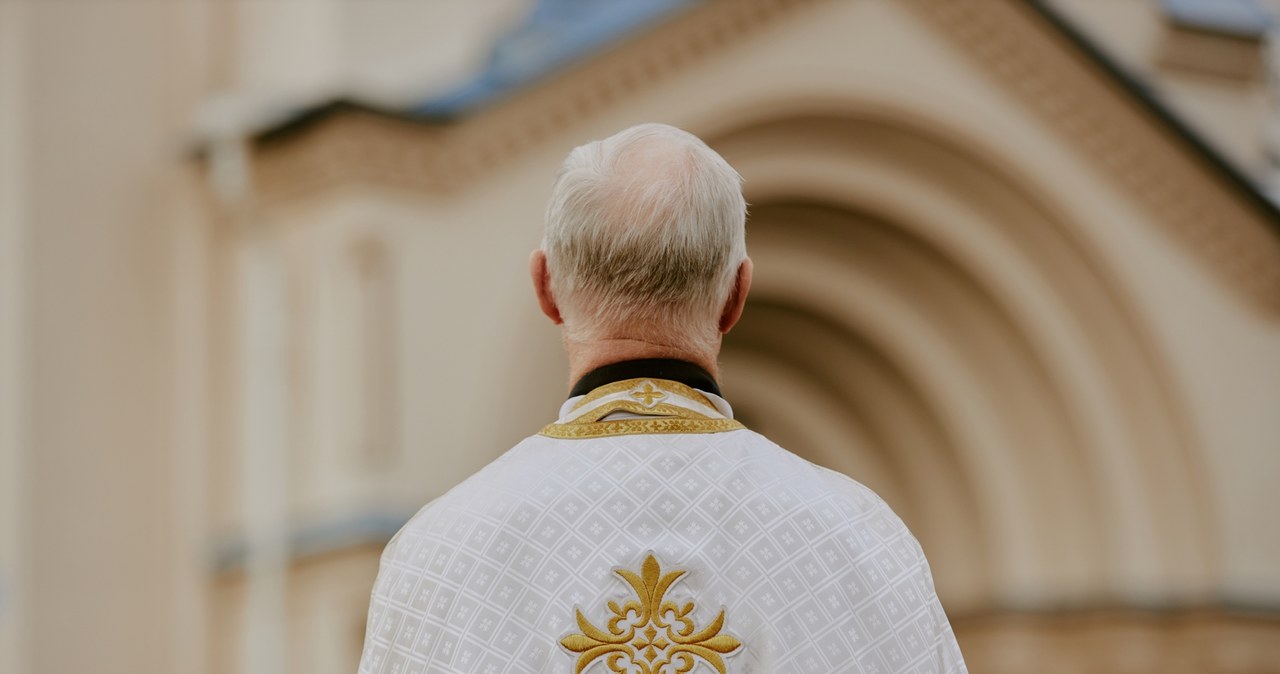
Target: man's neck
[585,357]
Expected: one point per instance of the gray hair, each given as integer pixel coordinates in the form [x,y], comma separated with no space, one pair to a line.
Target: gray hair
[647,226]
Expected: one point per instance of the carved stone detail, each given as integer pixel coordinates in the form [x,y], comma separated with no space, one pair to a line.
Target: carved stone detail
[366,147]
[1123,142]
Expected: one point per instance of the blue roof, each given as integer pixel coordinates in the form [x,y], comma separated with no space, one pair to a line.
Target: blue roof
[553,35]
[1237,17]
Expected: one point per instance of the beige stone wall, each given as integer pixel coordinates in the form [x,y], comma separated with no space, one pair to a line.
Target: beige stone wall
[111,412]
[13,520]
[1216,82]
[326,602]
[97,549]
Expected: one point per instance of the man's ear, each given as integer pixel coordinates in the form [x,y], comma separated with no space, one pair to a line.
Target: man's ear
[542,286]
[737,298]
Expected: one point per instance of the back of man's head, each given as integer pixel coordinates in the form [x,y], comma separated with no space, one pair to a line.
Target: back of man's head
[644,236]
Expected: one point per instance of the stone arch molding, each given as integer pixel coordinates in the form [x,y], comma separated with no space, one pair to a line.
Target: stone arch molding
[992,380]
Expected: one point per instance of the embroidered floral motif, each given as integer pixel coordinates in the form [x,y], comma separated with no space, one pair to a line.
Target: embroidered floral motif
[649,634]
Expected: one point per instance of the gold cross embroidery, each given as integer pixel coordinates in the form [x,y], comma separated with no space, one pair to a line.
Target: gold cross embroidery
[648,395]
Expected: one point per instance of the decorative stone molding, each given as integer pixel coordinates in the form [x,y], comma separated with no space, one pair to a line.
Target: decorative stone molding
[353,144]
[1198,52]
[1194,203]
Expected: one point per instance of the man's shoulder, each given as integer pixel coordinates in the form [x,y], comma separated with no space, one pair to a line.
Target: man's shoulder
[542,475]
[821,487]
[501,481]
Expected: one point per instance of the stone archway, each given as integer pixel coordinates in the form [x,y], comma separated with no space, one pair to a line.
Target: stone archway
[927,323]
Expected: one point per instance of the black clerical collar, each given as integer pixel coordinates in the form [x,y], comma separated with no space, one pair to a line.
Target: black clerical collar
[657,368]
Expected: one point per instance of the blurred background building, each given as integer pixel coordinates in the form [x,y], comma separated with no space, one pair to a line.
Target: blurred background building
[263,294]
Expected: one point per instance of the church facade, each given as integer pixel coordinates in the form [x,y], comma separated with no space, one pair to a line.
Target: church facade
[996,281]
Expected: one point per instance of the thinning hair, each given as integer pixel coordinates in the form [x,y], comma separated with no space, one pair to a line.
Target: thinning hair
[644,235]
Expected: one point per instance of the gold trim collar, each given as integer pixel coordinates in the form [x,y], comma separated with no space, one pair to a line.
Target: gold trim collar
[646,405]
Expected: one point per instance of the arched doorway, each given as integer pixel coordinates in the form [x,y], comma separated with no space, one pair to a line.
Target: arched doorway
[924,320]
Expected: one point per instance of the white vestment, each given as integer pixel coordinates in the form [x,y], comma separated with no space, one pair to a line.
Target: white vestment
[647,532]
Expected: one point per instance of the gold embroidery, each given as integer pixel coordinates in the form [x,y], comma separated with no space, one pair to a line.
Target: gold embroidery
[660,409]
[648,395]
[661,417]
[628,384]
[649,634]
[600,429]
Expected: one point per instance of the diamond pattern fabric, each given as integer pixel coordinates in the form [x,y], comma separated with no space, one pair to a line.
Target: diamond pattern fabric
[812,571]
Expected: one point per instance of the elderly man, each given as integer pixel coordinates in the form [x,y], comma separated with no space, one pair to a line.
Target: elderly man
[645,531]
